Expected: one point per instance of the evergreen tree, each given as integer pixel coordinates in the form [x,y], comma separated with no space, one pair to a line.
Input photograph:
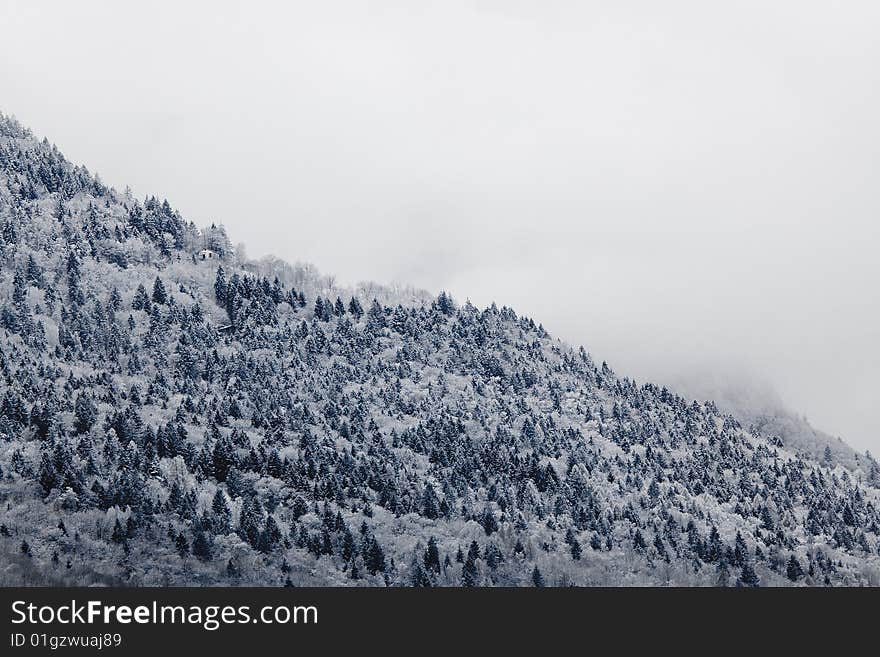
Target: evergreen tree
[85,413]
[470,575]
[250,524]
[220,287]
[748,577]
[430,505]
[181,545]
[119,533]
[221,516]
[201,546]
[374,557]
[34,273]
[741,550]
[537,578]
[49,476]
[140,301]
[432,556]
[160,296]
[420,577]
[319,309]
[73,278]
[355,309]
[270,536]
[376,317]
[639,544]
[445,304]
[222,459]
[794,570]
[494,557]
[490,524]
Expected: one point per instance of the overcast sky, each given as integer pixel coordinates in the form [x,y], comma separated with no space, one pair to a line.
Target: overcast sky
[683,187]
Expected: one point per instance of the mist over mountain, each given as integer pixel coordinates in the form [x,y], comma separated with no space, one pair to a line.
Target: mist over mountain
[173,413]
[758,406]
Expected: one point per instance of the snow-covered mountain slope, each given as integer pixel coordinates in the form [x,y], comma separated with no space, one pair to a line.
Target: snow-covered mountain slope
[172,414]
[759,407]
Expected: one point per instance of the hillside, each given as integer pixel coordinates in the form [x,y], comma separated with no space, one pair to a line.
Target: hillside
[758,407]
[173,414]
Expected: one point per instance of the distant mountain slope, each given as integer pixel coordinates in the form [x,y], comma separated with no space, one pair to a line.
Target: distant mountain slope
[173,415]
[759,408]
